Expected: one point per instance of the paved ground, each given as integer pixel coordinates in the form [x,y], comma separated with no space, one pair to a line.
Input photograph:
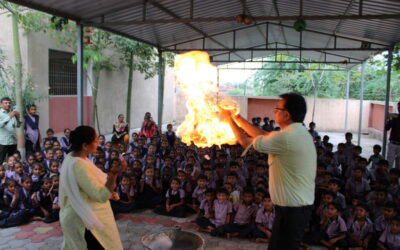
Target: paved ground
[132,227]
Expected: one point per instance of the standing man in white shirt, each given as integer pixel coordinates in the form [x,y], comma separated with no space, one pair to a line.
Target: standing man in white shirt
[9,121]
[293,161]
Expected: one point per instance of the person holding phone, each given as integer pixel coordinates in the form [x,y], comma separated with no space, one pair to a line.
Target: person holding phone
[9,121]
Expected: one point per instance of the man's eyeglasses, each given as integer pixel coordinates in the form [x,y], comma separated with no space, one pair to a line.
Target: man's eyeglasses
[282,109]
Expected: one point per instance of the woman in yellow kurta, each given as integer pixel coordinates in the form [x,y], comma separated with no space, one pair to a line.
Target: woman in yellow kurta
[86,217]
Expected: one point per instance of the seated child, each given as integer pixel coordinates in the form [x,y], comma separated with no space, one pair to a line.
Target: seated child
[43,197]
[360,229]
[334,185]
[390,238]
[175,200]
[150,190]
[333,228]
[206,212]
[123,197]
[222,212]
[234,195]
[264,220]
[199,192]
[245,212]
[357,185]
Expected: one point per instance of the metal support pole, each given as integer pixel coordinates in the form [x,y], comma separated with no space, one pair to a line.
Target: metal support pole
[79,80]
[347,102]
[160,89]
[387,97]
[361,103]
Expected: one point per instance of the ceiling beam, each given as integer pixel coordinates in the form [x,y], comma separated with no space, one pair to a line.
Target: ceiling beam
[279,49]
[255,18]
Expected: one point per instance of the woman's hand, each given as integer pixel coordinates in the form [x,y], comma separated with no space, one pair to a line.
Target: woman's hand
[120,168]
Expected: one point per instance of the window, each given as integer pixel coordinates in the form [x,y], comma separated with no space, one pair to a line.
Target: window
[62,73]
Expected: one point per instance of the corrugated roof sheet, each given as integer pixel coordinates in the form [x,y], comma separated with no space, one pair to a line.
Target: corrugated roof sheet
[320,34]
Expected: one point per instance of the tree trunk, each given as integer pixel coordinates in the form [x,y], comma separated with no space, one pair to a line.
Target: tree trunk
[95,87]
[129,94]
[18,85]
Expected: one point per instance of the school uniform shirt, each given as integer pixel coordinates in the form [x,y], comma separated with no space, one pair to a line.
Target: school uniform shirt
[8,199]
[199,194]
[265,218]
[391,241]
[374,160]
[174,192]
[335,227]
[357,187]
[244,213]
[25,200]
[292,160]
[206,208]
[340,158]
[360,232]
[123,193]
[221,210]
[380,224]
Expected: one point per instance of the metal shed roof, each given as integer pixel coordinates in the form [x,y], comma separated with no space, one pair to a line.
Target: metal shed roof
[345,32]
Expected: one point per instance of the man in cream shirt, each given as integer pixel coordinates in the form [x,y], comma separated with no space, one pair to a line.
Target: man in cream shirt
[292,159]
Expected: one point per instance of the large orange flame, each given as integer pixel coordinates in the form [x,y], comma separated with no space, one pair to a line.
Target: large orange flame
[197,78]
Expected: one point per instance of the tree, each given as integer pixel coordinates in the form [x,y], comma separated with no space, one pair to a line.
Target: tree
[135,56]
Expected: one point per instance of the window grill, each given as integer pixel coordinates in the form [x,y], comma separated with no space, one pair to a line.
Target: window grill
[62,73]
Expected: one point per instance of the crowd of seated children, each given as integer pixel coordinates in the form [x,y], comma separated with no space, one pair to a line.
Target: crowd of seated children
[356,199]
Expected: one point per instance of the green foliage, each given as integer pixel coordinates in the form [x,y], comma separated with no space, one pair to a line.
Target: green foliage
[328,83]
[30,92]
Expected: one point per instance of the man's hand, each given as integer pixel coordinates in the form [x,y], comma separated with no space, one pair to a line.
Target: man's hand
[225,114]
[14,113]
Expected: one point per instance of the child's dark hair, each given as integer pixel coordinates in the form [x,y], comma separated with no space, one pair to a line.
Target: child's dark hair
[232,174]
[45,179]
[9,182]
[210,191]
[202,177]
[396,218]
[390,204]
[188,166]
[327,192]
[49,130]
[233,163]
[262,191]
[267,195]
[321,164]
[358,168]
[248,190]
[175,179]
[81,135]
[181,172]
[377,147]
[114,160]
[222,191]
[55,177]
[348,134]
[395,171]
[336,205]
[25,177]
[219,165]
[363,205]
[383,162]
[335,181]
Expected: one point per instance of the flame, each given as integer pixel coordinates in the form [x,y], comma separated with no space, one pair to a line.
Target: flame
[197,78]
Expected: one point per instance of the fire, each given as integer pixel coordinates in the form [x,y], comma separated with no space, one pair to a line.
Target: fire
[197,78]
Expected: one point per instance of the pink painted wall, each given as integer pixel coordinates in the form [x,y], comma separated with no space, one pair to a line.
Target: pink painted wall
[258,107]
[377,116]
[63,112]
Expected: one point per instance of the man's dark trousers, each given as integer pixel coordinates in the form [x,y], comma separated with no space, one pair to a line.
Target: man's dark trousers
[288,227]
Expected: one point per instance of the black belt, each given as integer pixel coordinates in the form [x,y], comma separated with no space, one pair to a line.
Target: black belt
[395,142]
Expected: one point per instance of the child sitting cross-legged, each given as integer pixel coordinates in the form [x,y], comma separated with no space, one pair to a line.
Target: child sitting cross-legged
[265,216]
[222,213]
[245,212]
[390,238]
[122,200]
[361,229]
[175,200]
[333,228]
[206,212]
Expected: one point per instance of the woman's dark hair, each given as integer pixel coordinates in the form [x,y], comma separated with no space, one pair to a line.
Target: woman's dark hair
[81,135]
[296,105]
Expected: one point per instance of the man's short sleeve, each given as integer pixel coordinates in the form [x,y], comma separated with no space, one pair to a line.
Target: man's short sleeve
[274,143]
